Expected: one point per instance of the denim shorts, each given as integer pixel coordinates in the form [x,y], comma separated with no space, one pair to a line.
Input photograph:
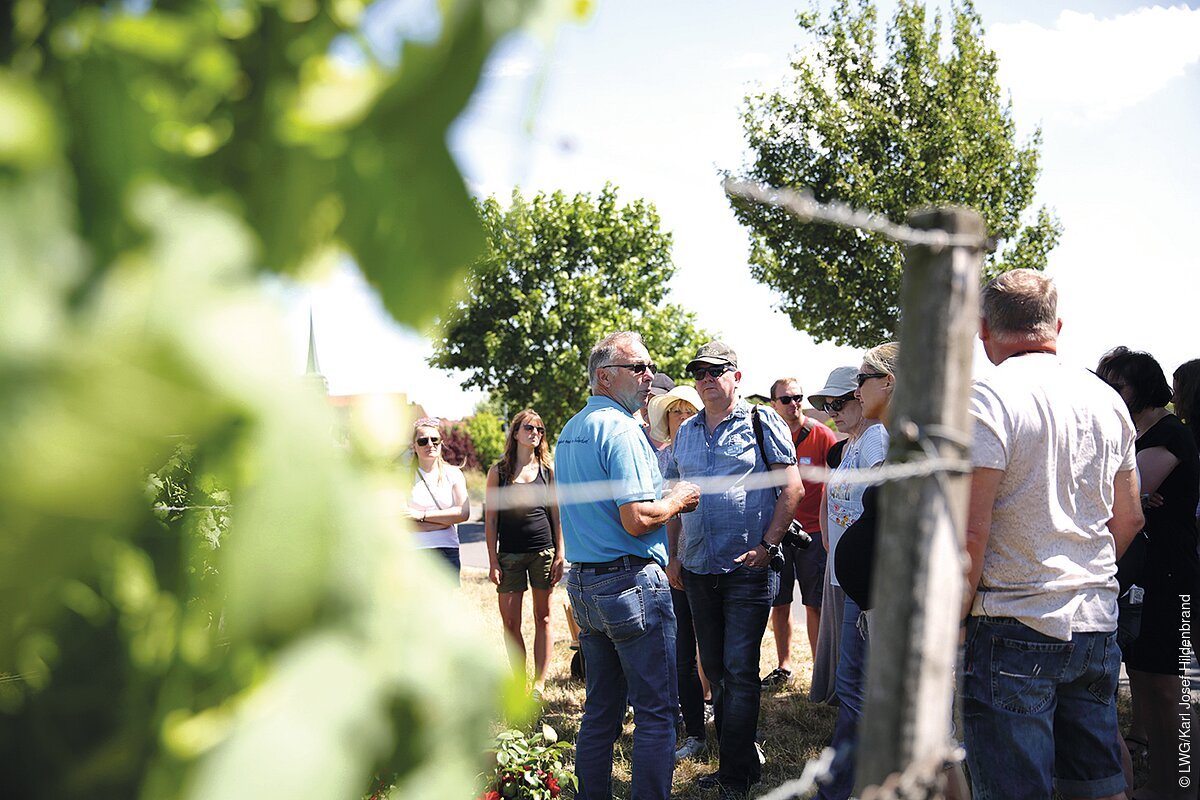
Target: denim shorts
[1040,712]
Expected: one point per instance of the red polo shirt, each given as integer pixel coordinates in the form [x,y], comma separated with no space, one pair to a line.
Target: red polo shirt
[811,452]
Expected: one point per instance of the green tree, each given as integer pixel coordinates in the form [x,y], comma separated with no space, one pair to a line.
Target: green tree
[888,134]
[487,432]
[559,274]
[153,156]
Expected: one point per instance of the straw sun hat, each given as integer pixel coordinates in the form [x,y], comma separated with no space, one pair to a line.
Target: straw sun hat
[657,409]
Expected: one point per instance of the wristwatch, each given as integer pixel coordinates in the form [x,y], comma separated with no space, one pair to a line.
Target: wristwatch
[775,559]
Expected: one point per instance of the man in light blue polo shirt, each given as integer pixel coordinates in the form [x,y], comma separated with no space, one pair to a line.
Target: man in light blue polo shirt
[731,538]
[619,592]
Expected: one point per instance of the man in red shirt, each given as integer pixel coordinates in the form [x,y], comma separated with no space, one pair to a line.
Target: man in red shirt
[812,440]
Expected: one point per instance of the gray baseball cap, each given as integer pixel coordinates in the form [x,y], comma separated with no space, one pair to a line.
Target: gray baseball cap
[842,381]
[714,353]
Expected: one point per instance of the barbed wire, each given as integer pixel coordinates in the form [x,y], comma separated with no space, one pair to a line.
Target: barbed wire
[524,496]
[521,496]
[914,783]
[803,206]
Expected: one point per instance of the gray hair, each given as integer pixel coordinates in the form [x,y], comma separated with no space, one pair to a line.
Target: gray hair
[1021,305]
[606,350]
[883,358]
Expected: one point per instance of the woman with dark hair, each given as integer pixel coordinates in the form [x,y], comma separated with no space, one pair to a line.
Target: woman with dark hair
[1169,466]
[524,539]
[439,500]
[1185,396]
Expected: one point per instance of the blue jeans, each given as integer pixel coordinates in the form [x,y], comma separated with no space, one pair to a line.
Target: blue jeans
[1035,707]
[730,612]
[627,636]
[851,685]
[691,691]
[451,556]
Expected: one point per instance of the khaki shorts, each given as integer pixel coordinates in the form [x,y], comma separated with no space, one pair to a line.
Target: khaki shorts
[522,570]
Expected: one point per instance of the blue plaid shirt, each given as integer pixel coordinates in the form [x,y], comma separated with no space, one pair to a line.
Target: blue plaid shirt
[728,523]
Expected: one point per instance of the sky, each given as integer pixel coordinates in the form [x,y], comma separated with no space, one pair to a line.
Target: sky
[647,96]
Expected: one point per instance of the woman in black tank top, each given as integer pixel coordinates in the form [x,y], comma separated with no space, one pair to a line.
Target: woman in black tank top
[524,538]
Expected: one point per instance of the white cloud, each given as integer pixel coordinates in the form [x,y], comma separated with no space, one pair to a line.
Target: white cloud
[1087,70]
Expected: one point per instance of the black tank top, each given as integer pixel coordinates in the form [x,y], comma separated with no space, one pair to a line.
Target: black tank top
[525,529]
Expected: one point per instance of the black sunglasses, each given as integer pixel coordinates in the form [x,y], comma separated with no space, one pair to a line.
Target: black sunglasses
[534,428]
[712,372]
[863,377]
[637,369]
[835,405]
[788,399]
[424,440]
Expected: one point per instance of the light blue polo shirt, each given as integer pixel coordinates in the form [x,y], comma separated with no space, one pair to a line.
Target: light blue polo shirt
[603,442]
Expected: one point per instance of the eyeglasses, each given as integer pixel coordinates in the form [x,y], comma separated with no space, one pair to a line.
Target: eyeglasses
[538,429]
[712,372]
[863,377]
[422,441]
[835,405]
[788,399]
[636,369]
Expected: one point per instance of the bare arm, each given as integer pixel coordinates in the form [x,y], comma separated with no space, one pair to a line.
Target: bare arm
[490,532]
[785,509]
[641,517]
[458,512]
[674,565]
[824,519]
[1154,465]
[556,568]
[785,505]
[1127,517]
[985,483]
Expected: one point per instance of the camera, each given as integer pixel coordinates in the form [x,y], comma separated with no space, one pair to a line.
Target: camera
[796,536]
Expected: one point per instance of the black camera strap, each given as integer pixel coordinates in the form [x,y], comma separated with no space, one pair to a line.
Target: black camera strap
[756,423]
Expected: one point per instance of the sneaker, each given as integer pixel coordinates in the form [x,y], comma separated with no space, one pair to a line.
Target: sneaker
[691,746]
[762,757]
[710,781]
[777,679]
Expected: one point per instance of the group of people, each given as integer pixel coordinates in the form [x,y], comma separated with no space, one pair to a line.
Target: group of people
[701,538]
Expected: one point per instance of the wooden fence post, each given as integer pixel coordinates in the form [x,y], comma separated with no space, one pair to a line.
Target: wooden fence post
[918,575]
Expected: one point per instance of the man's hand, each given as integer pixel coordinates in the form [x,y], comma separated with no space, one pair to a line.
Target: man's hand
[495,573]
[686,495]
[675,574]
[758,557]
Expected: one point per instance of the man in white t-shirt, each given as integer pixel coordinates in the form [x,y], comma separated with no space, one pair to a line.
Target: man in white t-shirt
[1054,503]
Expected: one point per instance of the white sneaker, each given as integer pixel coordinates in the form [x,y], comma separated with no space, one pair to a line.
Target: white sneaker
[691,747]
[762,757]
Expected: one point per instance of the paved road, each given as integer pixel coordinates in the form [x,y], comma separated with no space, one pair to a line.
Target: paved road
[472,547]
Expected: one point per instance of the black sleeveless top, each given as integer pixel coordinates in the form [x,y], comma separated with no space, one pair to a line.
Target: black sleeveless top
[525,529]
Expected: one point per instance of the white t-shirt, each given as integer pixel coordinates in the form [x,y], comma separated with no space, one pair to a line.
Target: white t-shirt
[843,500]
[1060,435]
[431,493]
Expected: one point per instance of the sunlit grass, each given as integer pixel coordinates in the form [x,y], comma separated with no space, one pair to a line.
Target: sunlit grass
[794,729]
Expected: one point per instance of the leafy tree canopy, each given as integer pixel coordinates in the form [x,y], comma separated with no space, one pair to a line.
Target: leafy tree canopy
[889,133]
[559,274]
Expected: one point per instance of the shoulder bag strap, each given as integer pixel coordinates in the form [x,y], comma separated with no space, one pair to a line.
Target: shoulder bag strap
[432,496]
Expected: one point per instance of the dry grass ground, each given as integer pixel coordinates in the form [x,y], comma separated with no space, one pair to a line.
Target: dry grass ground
[794,729]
